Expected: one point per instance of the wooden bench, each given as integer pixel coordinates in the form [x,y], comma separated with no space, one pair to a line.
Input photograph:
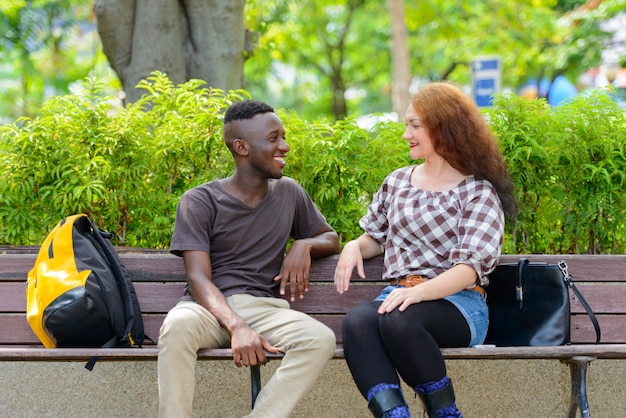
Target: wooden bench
[159,280]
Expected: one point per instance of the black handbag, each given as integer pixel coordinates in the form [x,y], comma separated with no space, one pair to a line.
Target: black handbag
[529,304]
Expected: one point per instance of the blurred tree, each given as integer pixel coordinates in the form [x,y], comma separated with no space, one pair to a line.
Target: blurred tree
[318,57]
[44,47]
[401,70]
[293,62]
[535,38]
[186,39]
[321,57]
[447,36]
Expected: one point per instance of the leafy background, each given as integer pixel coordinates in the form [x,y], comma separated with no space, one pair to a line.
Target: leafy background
[126,167]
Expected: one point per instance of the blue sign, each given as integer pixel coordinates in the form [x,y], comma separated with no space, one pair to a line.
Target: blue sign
[486,80]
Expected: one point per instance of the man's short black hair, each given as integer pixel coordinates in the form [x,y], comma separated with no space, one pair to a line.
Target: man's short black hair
[246,109]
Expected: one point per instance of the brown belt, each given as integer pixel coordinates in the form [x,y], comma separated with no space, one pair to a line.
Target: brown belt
[409,281]
[414,280]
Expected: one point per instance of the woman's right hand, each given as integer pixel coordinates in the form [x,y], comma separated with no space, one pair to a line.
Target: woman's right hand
[349,259]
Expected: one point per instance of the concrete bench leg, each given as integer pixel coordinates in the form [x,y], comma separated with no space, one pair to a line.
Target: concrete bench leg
[578,376]
[255,380]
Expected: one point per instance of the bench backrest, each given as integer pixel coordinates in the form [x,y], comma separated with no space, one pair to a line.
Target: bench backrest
[159,281]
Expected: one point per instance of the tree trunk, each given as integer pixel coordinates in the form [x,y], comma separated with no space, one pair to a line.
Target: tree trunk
[185,39]
[340,107]
[401,72]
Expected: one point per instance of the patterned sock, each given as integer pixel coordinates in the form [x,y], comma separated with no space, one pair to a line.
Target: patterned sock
[401,411]
[379,388]
[449,411]
[432,386]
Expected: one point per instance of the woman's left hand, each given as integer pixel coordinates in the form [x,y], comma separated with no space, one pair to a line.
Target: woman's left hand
[402,297]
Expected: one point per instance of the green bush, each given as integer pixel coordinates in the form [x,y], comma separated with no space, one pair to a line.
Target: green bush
[127,167]
[569,169]
[123,167]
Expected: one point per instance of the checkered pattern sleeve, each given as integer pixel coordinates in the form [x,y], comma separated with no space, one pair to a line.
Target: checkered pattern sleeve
[376,223]
[480,230]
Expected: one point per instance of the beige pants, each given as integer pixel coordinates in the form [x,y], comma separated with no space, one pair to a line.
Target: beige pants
[188,327]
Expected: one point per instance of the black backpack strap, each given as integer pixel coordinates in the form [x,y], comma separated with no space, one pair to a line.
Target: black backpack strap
[131,306]
[568,279]
[92,361]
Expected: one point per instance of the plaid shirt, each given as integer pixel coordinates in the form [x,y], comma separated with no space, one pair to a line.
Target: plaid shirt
[425,232]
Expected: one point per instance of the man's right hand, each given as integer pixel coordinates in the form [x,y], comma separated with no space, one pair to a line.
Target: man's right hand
[249,347]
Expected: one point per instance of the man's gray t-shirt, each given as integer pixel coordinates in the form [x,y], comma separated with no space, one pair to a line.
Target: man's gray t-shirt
[246,245]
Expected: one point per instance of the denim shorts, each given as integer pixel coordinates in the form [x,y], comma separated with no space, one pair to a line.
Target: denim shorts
[470,303]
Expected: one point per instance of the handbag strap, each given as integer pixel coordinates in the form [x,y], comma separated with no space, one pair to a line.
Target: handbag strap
[568,279]
[519,289]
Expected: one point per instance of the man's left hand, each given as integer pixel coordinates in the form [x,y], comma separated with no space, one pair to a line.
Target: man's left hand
[295,270]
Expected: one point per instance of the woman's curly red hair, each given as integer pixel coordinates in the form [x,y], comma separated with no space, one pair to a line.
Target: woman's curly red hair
[461,135]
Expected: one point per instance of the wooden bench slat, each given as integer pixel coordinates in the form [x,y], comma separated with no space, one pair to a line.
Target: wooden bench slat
[614,351]
[161,297]
[158,297]
[582,331]
[613,329]
[146,265]
[606,298]
[151,353]
[582,267]
[14,328]
[13,297]
[322,298]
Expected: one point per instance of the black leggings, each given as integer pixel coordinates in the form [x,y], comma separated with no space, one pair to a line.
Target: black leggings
[376,346]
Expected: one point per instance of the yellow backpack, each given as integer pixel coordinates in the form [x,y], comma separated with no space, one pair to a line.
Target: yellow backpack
[78,293]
